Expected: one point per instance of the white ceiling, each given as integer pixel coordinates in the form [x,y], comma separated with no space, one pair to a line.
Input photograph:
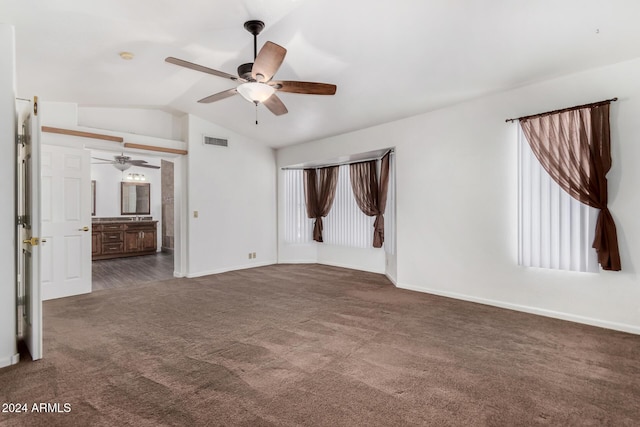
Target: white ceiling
[389,59]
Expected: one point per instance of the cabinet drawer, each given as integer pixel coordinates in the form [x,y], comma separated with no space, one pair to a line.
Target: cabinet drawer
[112,227]
[140,226]
[111,236]
[111,248]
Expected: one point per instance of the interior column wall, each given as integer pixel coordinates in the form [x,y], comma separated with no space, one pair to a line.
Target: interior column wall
[231,202]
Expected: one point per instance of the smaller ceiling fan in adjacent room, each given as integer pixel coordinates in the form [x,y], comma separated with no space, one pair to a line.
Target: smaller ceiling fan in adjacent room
[256,78]
[123,162]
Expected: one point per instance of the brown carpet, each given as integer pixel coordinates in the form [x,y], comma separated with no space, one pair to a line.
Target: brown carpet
[312,345]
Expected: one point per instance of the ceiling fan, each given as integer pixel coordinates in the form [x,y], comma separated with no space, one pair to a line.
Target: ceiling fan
[123,162]
[256,78]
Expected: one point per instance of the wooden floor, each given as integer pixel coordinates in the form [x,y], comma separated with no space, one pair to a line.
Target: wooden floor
[123,272]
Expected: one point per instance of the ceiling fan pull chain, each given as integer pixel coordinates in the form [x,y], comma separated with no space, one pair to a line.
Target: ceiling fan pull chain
[256,102]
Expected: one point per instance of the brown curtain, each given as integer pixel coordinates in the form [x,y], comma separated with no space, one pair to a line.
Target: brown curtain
[319,190]
[574,148]
[371,197]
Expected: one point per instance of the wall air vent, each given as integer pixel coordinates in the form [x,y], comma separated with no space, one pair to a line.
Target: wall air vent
[209,140]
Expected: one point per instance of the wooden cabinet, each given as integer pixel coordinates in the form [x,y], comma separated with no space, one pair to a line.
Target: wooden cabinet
[96,243]
[116,239]
[140,238]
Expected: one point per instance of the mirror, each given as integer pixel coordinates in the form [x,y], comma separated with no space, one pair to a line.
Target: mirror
[135,198]
[93,198]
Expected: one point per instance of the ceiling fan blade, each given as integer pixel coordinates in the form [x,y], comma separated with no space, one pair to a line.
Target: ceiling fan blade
[201,68]
[104,160]
[310,88]
[137,162]
[267,62]
[218,96]
[275,105]
[146,166]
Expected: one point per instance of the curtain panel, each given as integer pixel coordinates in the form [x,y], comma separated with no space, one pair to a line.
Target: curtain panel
[574,147]
[319,191]
[371,197]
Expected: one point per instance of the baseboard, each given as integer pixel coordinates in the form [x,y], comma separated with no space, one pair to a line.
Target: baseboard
[392,280]
[623,327]
[298,261]
[349,266]
[227,269]
[10,360]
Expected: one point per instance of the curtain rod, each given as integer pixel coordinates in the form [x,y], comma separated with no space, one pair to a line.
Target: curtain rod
[340,163]
[593,104]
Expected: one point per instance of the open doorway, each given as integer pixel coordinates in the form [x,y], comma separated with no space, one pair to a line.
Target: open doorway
[133,222]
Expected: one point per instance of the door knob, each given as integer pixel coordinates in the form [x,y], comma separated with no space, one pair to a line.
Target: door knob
[83,229]
[32,241]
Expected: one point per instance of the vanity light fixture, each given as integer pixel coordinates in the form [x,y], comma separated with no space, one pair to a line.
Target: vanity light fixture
[136,177]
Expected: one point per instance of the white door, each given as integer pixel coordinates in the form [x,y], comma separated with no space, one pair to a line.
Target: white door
[66,221]
[29,231]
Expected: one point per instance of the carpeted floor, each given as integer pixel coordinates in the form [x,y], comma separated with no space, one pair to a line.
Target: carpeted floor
[312,345]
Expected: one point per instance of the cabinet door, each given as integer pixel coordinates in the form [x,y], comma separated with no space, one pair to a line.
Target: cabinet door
[148,240]
[96,243]
[131,239]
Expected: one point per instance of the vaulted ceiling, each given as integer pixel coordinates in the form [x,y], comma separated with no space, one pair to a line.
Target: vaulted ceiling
[389,59]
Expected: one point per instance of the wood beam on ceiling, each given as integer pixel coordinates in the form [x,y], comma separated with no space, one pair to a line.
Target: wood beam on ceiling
[61,131]
[155,148]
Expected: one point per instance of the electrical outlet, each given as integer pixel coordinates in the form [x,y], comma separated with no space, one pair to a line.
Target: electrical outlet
[254,255]
[250,255]
[195,214]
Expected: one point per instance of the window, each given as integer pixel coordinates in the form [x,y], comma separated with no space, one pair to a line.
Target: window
[346,224]
[298,228]
[555,230]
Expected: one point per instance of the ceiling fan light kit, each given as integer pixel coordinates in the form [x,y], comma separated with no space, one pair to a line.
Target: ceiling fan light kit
[256,84]
[255,92]
[121,166]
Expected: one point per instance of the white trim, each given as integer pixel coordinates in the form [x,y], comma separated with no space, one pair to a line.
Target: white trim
[623,327]
[351,267]
[227,269]
[392,280]
[298,261]
[10,360]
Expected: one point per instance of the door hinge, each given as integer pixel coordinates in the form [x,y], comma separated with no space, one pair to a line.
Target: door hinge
[22,219]
[21,139]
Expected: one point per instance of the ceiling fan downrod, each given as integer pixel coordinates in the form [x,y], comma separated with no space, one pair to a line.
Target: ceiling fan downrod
[254,27]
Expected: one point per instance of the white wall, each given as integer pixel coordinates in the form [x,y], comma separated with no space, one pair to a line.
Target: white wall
[233,189]
[457,199]
[7,207]
[139,121]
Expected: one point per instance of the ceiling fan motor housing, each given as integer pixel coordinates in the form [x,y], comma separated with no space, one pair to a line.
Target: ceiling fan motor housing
[244,71]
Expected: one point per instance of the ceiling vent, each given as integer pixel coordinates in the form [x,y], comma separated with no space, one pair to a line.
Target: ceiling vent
[221,142]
